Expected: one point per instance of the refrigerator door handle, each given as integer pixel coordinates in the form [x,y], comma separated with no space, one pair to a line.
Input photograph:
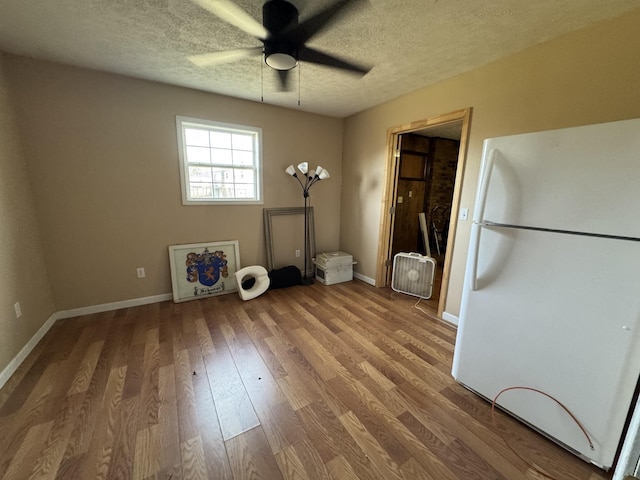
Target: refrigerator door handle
[484,185]
[474,248]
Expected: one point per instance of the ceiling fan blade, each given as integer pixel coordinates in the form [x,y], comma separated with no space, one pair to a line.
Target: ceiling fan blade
[316,56]
[283,76]
[231,13]
[225,56]
[307,29]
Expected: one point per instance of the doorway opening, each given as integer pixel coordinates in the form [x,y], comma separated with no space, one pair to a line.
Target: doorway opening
[424,169]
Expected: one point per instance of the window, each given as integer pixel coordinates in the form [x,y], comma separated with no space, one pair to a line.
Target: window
[219,162]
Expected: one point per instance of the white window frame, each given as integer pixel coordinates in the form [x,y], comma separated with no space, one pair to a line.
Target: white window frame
[185,122]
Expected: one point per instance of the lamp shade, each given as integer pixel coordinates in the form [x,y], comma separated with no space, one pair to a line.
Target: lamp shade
[290,170]
[303,167]
[324,174]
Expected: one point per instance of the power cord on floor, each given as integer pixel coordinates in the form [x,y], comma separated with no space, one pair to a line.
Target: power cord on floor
[432,315]
[420,308]
[573,417]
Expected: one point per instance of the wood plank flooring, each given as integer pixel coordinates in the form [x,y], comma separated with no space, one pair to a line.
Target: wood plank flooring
[320,382]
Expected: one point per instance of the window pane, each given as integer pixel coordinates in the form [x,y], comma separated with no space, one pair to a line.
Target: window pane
[221,156]
[242,142]
[242,158]
[243,175]
[196,137]
[223,175]
[220,139]
[198,155]
[201,190]
[200,174]
[222,191]
[245,191]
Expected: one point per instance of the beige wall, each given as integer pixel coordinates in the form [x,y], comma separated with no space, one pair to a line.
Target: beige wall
[586,77]
[23,275]
[102,157]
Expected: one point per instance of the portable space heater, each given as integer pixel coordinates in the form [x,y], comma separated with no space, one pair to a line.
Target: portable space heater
[413,274]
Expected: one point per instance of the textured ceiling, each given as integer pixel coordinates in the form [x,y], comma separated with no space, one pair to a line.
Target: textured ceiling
[410,43]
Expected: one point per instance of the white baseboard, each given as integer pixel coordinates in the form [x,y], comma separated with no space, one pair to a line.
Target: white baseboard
[13,365]
[368,280]
[106,307]
[450,318]
[26,350]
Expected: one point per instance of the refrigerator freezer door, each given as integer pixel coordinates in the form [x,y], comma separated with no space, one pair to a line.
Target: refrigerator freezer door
[579,179]
[559,313]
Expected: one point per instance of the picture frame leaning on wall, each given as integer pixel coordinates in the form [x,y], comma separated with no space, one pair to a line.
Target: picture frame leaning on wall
[200,270]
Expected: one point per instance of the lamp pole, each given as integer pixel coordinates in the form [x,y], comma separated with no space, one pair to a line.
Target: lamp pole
[305,280]
[310,178]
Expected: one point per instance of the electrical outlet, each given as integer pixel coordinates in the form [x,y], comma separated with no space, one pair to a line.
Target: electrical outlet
[464,213]
[297,253]
[140,272]
[18,309]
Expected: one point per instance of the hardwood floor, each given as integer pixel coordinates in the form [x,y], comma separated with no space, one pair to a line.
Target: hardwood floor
[321,382]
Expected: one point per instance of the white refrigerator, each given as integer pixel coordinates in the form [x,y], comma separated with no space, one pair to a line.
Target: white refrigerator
[551,299]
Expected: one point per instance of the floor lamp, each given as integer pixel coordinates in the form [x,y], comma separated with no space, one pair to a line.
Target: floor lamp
[310,177]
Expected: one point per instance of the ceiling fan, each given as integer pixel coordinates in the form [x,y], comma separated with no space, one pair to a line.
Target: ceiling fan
[283,37]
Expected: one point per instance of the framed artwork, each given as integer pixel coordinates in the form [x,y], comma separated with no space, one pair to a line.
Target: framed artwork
[201,270]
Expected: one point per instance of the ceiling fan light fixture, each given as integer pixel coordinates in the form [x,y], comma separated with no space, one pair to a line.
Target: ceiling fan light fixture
[280,54]
[280,61]
[279,16]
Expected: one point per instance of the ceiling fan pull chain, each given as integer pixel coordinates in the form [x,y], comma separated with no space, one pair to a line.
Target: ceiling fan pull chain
[299,67]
